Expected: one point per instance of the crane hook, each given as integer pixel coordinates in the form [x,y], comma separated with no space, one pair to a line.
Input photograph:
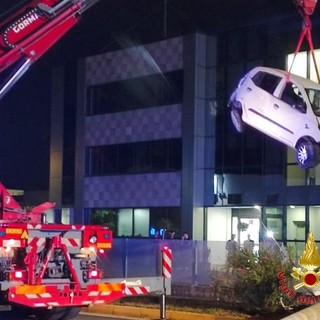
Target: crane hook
[305,7]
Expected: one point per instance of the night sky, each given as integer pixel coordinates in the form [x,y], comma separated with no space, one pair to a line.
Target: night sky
[109,25]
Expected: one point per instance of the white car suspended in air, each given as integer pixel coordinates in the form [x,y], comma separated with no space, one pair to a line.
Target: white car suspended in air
[284,107]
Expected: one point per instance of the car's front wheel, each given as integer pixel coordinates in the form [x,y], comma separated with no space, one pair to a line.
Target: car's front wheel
[307,154]
[237,119]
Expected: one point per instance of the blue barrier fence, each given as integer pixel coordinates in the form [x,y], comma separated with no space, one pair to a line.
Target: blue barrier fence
[192,261]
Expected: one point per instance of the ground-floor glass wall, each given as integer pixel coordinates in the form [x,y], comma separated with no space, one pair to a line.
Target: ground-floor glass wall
[286,225]
[138,222]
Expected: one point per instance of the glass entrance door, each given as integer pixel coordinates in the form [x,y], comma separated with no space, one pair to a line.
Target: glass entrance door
[246,226]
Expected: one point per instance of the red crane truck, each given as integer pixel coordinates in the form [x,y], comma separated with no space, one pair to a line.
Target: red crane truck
[50,270]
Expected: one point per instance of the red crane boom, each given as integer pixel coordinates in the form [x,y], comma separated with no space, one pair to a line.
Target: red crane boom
[31,31]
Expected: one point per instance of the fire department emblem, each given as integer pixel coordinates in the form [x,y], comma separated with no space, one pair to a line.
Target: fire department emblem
[308,275]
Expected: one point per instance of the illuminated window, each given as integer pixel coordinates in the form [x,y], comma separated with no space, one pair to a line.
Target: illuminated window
[296,229]
[274,221]
[296,218]
[303,64]
[295,175]
[314,217]
[299,66]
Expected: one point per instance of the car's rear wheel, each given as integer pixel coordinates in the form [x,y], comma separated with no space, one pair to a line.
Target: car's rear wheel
[237,119]
[307,154]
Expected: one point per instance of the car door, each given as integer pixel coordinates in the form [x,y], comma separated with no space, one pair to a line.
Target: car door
[260,88]
[287,113]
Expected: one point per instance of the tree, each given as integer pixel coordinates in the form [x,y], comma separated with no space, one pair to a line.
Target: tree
[105,217]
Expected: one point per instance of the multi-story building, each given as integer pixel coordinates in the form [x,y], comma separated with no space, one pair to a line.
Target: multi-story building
[144,136]
[154,142]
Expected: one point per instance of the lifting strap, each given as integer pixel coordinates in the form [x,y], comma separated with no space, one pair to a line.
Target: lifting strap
[306,8]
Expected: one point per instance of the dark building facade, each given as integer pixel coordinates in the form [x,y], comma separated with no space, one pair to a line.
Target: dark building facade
[144,139]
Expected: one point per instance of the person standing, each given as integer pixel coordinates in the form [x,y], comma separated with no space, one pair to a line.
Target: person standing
[185,236]
[248,244]
[172,234]
[231,246]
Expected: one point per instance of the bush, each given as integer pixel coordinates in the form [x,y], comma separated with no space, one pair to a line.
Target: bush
[256,277]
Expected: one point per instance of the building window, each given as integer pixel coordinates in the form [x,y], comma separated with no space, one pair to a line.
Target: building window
[313,176]
[105,217]
[166,218]
[303,64]
[295,175]
[139,157]
[138,93]
[65,215]
[136,222]
[141,222]
[296,218]
[296,229]
[314,221]
[125,222]
[299,67]
[273,217]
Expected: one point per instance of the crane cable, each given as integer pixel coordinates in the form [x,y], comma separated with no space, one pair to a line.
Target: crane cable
[306,9]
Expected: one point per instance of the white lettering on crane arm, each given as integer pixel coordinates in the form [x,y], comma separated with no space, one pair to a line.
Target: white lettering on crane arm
[22,24]
[132,283]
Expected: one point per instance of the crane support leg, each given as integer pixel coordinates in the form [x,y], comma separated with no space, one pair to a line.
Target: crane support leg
[57,243]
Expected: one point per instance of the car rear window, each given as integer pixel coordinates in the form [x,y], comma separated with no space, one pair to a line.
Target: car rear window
[266,81]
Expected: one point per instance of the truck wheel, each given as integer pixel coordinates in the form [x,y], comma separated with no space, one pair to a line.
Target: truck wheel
[46,314]
[50,314]
[20,310]
[63,313]
[71,313]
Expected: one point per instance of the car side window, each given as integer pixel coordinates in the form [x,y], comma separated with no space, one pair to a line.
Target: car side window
[314,98]
[292,96]
[266,81]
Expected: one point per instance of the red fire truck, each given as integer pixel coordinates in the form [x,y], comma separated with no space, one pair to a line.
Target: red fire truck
[47,267]
[50,270]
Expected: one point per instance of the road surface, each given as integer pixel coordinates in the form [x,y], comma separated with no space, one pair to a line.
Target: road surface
[8,315]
